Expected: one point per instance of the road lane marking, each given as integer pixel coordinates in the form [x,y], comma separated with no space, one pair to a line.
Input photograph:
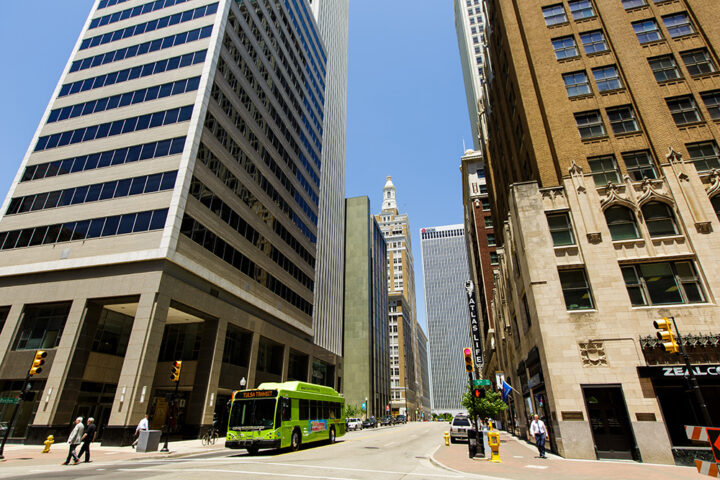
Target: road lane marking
[217,470]
[388,444]
[345,469]
[518,456]
[539,467]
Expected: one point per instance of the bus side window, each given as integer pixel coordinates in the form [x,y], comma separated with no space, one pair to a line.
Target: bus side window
[286,410]
[304,410]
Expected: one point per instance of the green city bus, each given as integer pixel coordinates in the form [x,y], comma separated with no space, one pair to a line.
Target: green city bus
[280,415]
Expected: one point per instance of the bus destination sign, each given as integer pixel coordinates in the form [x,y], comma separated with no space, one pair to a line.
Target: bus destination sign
[259,394]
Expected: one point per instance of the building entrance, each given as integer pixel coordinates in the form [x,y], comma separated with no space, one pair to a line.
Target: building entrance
[609,422]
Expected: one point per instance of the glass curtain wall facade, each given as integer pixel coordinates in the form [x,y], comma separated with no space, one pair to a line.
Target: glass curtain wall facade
[445,271]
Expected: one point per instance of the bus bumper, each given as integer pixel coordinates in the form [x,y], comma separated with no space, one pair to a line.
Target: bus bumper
[253,443]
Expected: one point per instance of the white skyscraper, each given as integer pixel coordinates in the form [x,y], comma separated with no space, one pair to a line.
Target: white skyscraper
[332,18]
[470,27]
[166,210]
[445,270]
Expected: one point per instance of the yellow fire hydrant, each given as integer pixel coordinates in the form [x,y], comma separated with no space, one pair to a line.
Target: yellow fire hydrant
[447,438]
[48,443]
[494,443]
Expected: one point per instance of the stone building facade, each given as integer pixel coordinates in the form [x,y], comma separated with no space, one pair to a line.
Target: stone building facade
[603,157]
[367,342]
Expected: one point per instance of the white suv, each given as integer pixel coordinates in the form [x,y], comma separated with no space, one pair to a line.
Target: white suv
[354,424]
[459,428]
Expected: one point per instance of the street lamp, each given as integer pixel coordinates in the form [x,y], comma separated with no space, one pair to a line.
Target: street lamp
[243,382]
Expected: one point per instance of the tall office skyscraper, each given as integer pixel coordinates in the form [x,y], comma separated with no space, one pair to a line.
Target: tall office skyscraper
[470,30]
[445,271]
[366,363]
[405,365]
[332,16]
[166,210]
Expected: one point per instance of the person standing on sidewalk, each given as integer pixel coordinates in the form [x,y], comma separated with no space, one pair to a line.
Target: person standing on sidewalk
[87,438]
[537,428]
[74,441]
[142,425]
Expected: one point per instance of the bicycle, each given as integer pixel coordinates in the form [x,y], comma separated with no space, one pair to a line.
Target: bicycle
[211,435]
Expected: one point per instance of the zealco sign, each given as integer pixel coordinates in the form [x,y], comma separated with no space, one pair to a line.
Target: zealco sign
[698,371]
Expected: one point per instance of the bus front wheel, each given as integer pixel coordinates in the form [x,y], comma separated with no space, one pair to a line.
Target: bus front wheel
[253,450]
[332,435]
[295,441]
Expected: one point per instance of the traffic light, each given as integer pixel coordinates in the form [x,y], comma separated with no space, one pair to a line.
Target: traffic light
[468,360]
[175,371]
[38,362]
[665,334]
[478,392]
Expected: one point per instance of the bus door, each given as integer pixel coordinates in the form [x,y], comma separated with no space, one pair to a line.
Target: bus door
[283,417]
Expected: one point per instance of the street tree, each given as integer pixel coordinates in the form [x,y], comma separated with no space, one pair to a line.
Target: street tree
[489,406]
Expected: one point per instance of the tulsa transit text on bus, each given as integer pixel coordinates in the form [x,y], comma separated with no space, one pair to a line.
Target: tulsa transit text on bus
[279,415]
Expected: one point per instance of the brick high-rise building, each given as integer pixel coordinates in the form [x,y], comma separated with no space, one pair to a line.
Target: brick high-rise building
[603,158]
[167,209]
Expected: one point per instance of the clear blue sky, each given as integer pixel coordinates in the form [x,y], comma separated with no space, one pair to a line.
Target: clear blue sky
[407,115]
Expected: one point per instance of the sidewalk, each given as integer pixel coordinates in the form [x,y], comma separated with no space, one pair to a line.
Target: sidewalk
[19,455]
[519,460]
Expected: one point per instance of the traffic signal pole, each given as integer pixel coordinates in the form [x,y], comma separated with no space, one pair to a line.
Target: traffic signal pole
[692,379]
[35,368]
[11,423]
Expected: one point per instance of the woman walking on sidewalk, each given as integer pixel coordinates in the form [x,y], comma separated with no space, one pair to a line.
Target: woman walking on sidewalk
[74,440]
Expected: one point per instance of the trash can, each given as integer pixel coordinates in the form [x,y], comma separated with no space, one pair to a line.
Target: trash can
[148,441]
[472,442]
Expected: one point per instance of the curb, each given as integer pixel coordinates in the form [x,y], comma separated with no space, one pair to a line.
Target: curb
[441,465]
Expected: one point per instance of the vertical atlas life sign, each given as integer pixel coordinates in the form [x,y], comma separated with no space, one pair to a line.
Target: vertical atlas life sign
[474,325]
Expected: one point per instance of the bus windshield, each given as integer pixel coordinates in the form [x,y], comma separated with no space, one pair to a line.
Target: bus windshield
[252,413]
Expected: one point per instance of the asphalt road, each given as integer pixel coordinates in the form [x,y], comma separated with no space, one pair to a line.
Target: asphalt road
[397,452]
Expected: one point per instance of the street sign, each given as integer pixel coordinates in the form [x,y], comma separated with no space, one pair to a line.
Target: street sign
[483,382]
[9,401]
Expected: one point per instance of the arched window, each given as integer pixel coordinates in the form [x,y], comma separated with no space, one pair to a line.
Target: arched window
[621,222]
[659,219]
[716,205]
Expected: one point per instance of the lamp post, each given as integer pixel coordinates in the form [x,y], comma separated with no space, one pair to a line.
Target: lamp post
[243,382]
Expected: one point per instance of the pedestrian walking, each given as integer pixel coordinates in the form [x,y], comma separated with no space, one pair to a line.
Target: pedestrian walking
[87,438]
[537,428]
[142,425]
[74,441]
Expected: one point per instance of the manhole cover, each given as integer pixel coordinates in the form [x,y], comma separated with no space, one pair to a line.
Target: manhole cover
[372,448]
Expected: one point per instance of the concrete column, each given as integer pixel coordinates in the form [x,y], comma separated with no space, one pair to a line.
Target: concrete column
[8,331]
[209,358]
[214,372]
[57,378]
[286,363]
[138,370]
[310,369]
[252,367]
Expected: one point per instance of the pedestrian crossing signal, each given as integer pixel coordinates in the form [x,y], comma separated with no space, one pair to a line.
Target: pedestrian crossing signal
[478,393]
[175,371]
[468,360]
[38,362]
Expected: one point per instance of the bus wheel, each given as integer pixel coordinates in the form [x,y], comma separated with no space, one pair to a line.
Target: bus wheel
[332,435]
[295,441]
[253,450]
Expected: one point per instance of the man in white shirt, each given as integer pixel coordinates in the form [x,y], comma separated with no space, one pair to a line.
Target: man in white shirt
[537,428]
[142,425]
[74,440]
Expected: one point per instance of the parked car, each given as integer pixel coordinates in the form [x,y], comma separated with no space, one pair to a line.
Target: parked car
[387,420]
[370,423]
[400,419]
[459,427]
[354,424]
